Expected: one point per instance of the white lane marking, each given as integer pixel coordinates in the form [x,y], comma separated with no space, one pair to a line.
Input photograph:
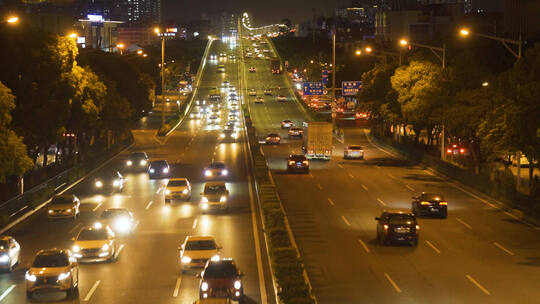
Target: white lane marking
[92,290]
[177,287]
[5,293]
[350,175]
[120,249]
[148,205]
[345,220]
[331,202]
[396,287]
[391,176]
[363,245]
[364,186]
[98,205]
[136,224]
[74,228]
[477,284]
[158,190]
[463,223]
[61,185]
[409,187]
[433,247]
[339,165]
[194,224]
[319,186]
[381,201]
[502,248]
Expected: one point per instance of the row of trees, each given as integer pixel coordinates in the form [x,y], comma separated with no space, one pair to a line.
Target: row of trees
[497,117]
[49,90]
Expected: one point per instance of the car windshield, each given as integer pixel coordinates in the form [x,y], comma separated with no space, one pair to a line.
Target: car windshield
[60,200]
[214,189]
[138,155]
[432,197]
[217,165]
[273,135]
[159,163]
[4,244]
[355,147]
[201,245]
[110,175]
[109,214]
[92,235]
[399,218]
[221,270]
[297,158]
[46,260]
[177,183]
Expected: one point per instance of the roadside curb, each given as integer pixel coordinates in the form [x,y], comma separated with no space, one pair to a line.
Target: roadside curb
[31,212]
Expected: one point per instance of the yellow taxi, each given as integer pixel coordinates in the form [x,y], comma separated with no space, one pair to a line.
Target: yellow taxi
[197,250]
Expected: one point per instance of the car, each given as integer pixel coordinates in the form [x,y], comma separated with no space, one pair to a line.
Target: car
[225,83]
[195,114]
[281,98]
[213,57]
[285,124]
[228,135]
[430,204]
[197,250]
[96,243]
[120,220]
[10,253]
[252,69]
[252,92]
[259,99]
[213,119]
[397,226]
[232,56]
[221,279]
[109,181]
[215,110]
[200,102]
[53,269]
[232,95]
[222,55]
[158,169]
[230,125]
[214,196]
[297,163]
[267,92]
[353,151]
[64,206]
[296,132]
[213,301]
[137,161]
[273,138]
[215,169]
[177,188]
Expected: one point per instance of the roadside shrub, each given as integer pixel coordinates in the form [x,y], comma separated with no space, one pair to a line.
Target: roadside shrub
[284,255]
[279,237]
[274,217]
[4,220]
[164,129]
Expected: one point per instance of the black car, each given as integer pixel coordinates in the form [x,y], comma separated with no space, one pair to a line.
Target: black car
[397,226]
[111,181]
[158,169]
[430,204]
[137,161]
[221,279]
[297,163]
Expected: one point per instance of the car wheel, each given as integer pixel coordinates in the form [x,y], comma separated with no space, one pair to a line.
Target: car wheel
[444,215]
[415,243]
[29,294]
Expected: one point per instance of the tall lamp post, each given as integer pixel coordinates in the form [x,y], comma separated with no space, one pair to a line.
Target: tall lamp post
[158,32]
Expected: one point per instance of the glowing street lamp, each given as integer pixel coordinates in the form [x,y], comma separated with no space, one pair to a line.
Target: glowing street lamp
[139,52]
[12,19]
[368,49]
[358,52]
[464,32]
[485,84]
[120,47]
[403,42]
[73,35]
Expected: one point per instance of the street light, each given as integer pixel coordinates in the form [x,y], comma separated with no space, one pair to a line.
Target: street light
[464,32]
[120,47]
[368,49]
[485,84]
[442,57]
[140,52]
[12,19]
[358,52]
[73,35]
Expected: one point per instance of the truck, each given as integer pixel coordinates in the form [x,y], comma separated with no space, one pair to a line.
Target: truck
[317,140]
[275,66]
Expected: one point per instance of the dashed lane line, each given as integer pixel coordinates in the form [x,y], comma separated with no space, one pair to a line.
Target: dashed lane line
[194,224]
[92,290]
[433,247]
[177,286]
[331,202]
[5,293]
[345,220]
[148,205]
[502,248]
[364,186]
[463,223]
[363,245]
[482,288]
[396,287]
[409,187]
[381,201]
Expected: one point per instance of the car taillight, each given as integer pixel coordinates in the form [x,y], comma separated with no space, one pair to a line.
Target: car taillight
[461,150]
[291,162]
[449,151]
[443,203]
[424,203]
[305,162]
[417,227]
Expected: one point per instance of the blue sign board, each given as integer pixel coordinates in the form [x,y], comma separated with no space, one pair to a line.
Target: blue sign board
[325,77]
[350,88]
[312,88]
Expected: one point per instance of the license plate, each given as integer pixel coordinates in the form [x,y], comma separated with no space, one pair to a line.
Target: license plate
[434,209]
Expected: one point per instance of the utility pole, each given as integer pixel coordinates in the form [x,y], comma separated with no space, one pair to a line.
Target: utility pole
[162,80]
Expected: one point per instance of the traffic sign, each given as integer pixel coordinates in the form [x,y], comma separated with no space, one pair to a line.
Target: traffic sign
[325,77]
[351,88]
[312,88]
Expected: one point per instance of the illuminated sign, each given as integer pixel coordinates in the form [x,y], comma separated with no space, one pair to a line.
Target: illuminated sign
[95,18]
[171,30]
[351,88]
[312,88]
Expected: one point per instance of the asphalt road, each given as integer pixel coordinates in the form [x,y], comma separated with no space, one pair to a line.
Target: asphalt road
[479,254]
[147,268]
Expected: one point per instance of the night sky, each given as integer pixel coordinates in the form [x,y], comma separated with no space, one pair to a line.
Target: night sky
[262,12]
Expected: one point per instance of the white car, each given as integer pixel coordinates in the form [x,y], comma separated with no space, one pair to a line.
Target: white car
[120,220]
[10,252]
[216,169]
[197,250]
[252,92]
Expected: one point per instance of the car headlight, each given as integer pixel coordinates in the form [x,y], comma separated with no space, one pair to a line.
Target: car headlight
[225,172]
[215,258]
[122,224]
[129,163]
[186,259]
[152,170]
[105,247]
[185,191]
[50,211]
[76,248]
[64,276]
[4,258]
[68,210]
[204,206]
[204,199]
[167,192]
[222,135]
[165,170]
[204,286]
[207,173]
[142,162]
[98,225]
[99,184]
[223,198]
[30,277]
[237,284]
[116,183]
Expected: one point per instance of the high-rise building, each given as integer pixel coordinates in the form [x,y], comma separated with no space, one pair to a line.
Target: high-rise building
[142,11]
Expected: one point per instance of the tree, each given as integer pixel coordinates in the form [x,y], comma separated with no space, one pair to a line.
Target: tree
[13,157]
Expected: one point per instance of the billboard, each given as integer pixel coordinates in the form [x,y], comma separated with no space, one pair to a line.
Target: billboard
[350,88]
[312,88]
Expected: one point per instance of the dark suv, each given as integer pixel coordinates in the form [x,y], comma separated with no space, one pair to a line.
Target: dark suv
[221,279]
[297,163]
[158,169]
[397,226]
[429,204]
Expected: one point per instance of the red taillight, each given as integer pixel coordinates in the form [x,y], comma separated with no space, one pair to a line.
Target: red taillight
[443,203]
[424,203]
[449,151]
[461,150]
